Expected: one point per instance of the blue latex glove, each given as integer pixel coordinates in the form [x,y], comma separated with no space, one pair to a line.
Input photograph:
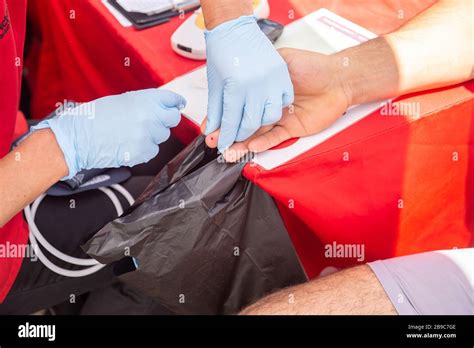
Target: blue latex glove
[249,83]
[115,131]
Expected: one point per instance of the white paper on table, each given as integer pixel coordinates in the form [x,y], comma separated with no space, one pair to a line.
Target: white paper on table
[146,6]
[323,32]
[193,86]
[118,16]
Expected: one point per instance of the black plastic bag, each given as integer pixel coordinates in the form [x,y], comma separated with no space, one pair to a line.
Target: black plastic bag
[207,240]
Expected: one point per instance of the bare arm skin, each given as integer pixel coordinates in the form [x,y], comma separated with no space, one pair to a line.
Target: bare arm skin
[434,49]
[220,11]
[29,170]
[353,291]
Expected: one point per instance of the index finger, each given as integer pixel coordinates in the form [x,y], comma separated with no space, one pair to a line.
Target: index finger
[239,150]
[265,141]
[211,139]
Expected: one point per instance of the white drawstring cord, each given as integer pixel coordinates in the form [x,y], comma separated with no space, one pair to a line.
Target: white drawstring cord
[36,238]
[124,193]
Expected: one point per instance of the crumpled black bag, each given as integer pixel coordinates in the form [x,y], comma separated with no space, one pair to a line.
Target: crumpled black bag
[207,240]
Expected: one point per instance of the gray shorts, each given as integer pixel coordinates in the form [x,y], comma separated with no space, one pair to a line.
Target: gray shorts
[438,282]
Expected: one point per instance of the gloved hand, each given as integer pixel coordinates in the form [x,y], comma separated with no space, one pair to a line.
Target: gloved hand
[249,83]
[115,131]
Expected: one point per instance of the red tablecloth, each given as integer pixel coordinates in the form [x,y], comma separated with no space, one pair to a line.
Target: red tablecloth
[407,187]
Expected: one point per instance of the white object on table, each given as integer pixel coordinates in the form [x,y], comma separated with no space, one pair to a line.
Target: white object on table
[188,40]
[118,16]
[322,31]
[146,6]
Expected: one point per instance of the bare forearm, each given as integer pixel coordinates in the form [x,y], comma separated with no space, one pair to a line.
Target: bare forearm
[434,49]
[368,72]
[29,170]
[220,11]
[351,291]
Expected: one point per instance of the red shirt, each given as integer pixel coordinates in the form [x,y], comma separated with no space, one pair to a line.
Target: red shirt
[12,37]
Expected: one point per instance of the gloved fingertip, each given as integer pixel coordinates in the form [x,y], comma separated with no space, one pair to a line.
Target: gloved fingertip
[223,150]
[208,130]
[182,103]
[223,145]
[288,99]
[242,136]
[171,99]
[210,127]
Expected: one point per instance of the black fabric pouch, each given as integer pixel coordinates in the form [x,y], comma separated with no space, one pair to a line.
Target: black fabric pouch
[206,240]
